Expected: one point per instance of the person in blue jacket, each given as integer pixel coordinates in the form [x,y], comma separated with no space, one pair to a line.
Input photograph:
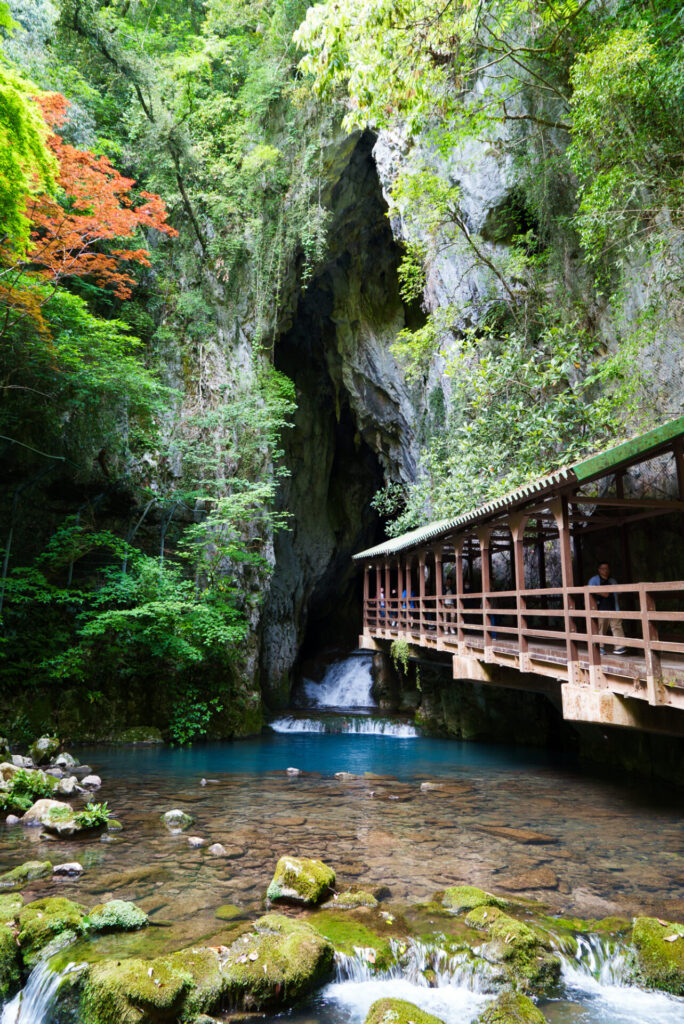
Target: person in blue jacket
[608,602]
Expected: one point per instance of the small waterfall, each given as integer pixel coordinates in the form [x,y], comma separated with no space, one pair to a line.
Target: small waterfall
[602,959]
[33,1004]
[359,726]
[422,964]
[346,684]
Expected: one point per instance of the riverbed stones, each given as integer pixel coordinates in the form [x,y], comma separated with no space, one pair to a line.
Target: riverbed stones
[54,922]
[176,820]
[195,842]
[535,878]
[44,748]
[300,880]
[399,1011]
[511,1008]
[518,835]
[459,898]
[65,760]
[26,872]
[217,850]
[117,916]
[659,948]
[68,786]
[91,781]
[522,951]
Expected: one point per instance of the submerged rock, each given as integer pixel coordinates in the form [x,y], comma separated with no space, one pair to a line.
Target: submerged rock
[511,1008]
[217,850]
[351,900]
[91,781]
[399,1011]
[44,921]
[116,916]
[300,880]
[26,872]
[466,897]
[196,841]
[659,947]
[44,748]
[523,952]
[177,820]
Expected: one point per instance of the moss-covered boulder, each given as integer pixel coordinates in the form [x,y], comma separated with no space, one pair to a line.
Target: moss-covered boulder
[43,749]
[301,880]
[351,936]
[44,921]
[522,951]
[133,992]
[177,820]
[10,973]
[276,963]
[352,899]
[398,1011]
[659,954]
[458,898]
[116,916]
[26,872]
[511,1008]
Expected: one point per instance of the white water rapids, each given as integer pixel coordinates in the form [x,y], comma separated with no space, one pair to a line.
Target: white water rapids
[338,724]
[33,1004]
[346,684]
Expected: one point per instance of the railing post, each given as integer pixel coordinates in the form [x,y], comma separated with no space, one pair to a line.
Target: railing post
[484,535]
[560,511]
[595,670]
[366,594]
[654,675]
[458,593]
[421,593]
[439,624]
[517,524]
[400,590]
[387,594]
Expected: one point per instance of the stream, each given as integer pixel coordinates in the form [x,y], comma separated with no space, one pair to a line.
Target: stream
[429,814]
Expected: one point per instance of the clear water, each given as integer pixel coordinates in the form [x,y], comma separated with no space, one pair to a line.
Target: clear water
[607,847]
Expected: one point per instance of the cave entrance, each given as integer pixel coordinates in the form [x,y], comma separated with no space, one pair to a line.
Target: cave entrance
[351,431]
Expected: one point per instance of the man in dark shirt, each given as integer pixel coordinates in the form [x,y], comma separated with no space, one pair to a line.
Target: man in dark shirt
[608,602]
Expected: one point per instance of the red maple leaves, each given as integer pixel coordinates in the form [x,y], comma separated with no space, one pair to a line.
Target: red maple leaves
[95,207]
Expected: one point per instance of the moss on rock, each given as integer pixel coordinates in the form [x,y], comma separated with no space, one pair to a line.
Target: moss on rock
[116,916]
[300,880]
[353,899]
[276,963]
[10,974]
[511,1008]
[458,898]
[133,992]
[398,1011]
[10,907]
[42,921]
[659,956]
[349,935]
[523,951]
[26,872]
[228,912]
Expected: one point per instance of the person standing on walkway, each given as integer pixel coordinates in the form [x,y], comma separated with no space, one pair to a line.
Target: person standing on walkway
[608,602]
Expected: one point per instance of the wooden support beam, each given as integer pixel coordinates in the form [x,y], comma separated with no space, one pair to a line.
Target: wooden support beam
[484,535]
[421,593]
[439,587]
[560,510]
[621,502]
[517,523]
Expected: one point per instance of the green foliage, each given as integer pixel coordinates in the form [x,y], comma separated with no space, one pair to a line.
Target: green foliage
[93,816]
[25,788]
[400,653]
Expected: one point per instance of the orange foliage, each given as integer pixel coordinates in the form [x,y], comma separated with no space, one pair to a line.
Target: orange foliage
[96,207]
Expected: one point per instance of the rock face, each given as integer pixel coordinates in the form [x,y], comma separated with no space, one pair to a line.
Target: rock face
[659,949]
[300,880]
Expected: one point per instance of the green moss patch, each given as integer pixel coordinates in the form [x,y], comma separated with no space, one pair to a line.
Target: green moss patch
[511,1008]
[132,991]
[523,951]
[10,907]
[301,880]
[348,934]
[10,974]
[659,952]
[116,916]
[458,898]
[26,872]
[398,1011]
[353,899]
[42,921]
[228,912]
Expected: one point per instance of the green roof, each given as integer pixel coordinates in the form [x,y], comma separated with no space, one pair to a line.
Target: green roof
[579,472]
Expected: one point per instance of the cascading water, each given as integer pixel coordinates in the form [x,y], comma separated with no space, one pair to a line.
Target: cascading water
[35,1001]
[346,686]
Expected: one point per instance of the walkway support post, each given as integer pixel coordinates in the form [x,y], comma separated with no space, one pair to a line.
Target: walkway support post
[650,632]
[421,592]
[366,594]
[560,510]
[458,593]
[401,624]
[484,535]
[387,593]
[377,595]
[439,614]
[517,523]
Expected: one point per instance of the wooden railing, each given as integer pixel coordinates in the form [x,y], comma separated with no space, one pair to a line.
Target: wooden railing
[563,619]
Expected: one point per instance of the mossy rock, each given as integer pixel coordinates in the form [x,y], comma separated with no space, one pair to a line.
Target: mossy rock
[276,963]
[114,826]
[300,880]
[523,951]
[116,916]
[659,957]
[133,992]
[177,820]
[348,935]
[398,1011]
[10,907]
[351,900]
[511,1008]
[43,749]
[43,921]
[228,912]
[26,872]
[458,898]
[10,973]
